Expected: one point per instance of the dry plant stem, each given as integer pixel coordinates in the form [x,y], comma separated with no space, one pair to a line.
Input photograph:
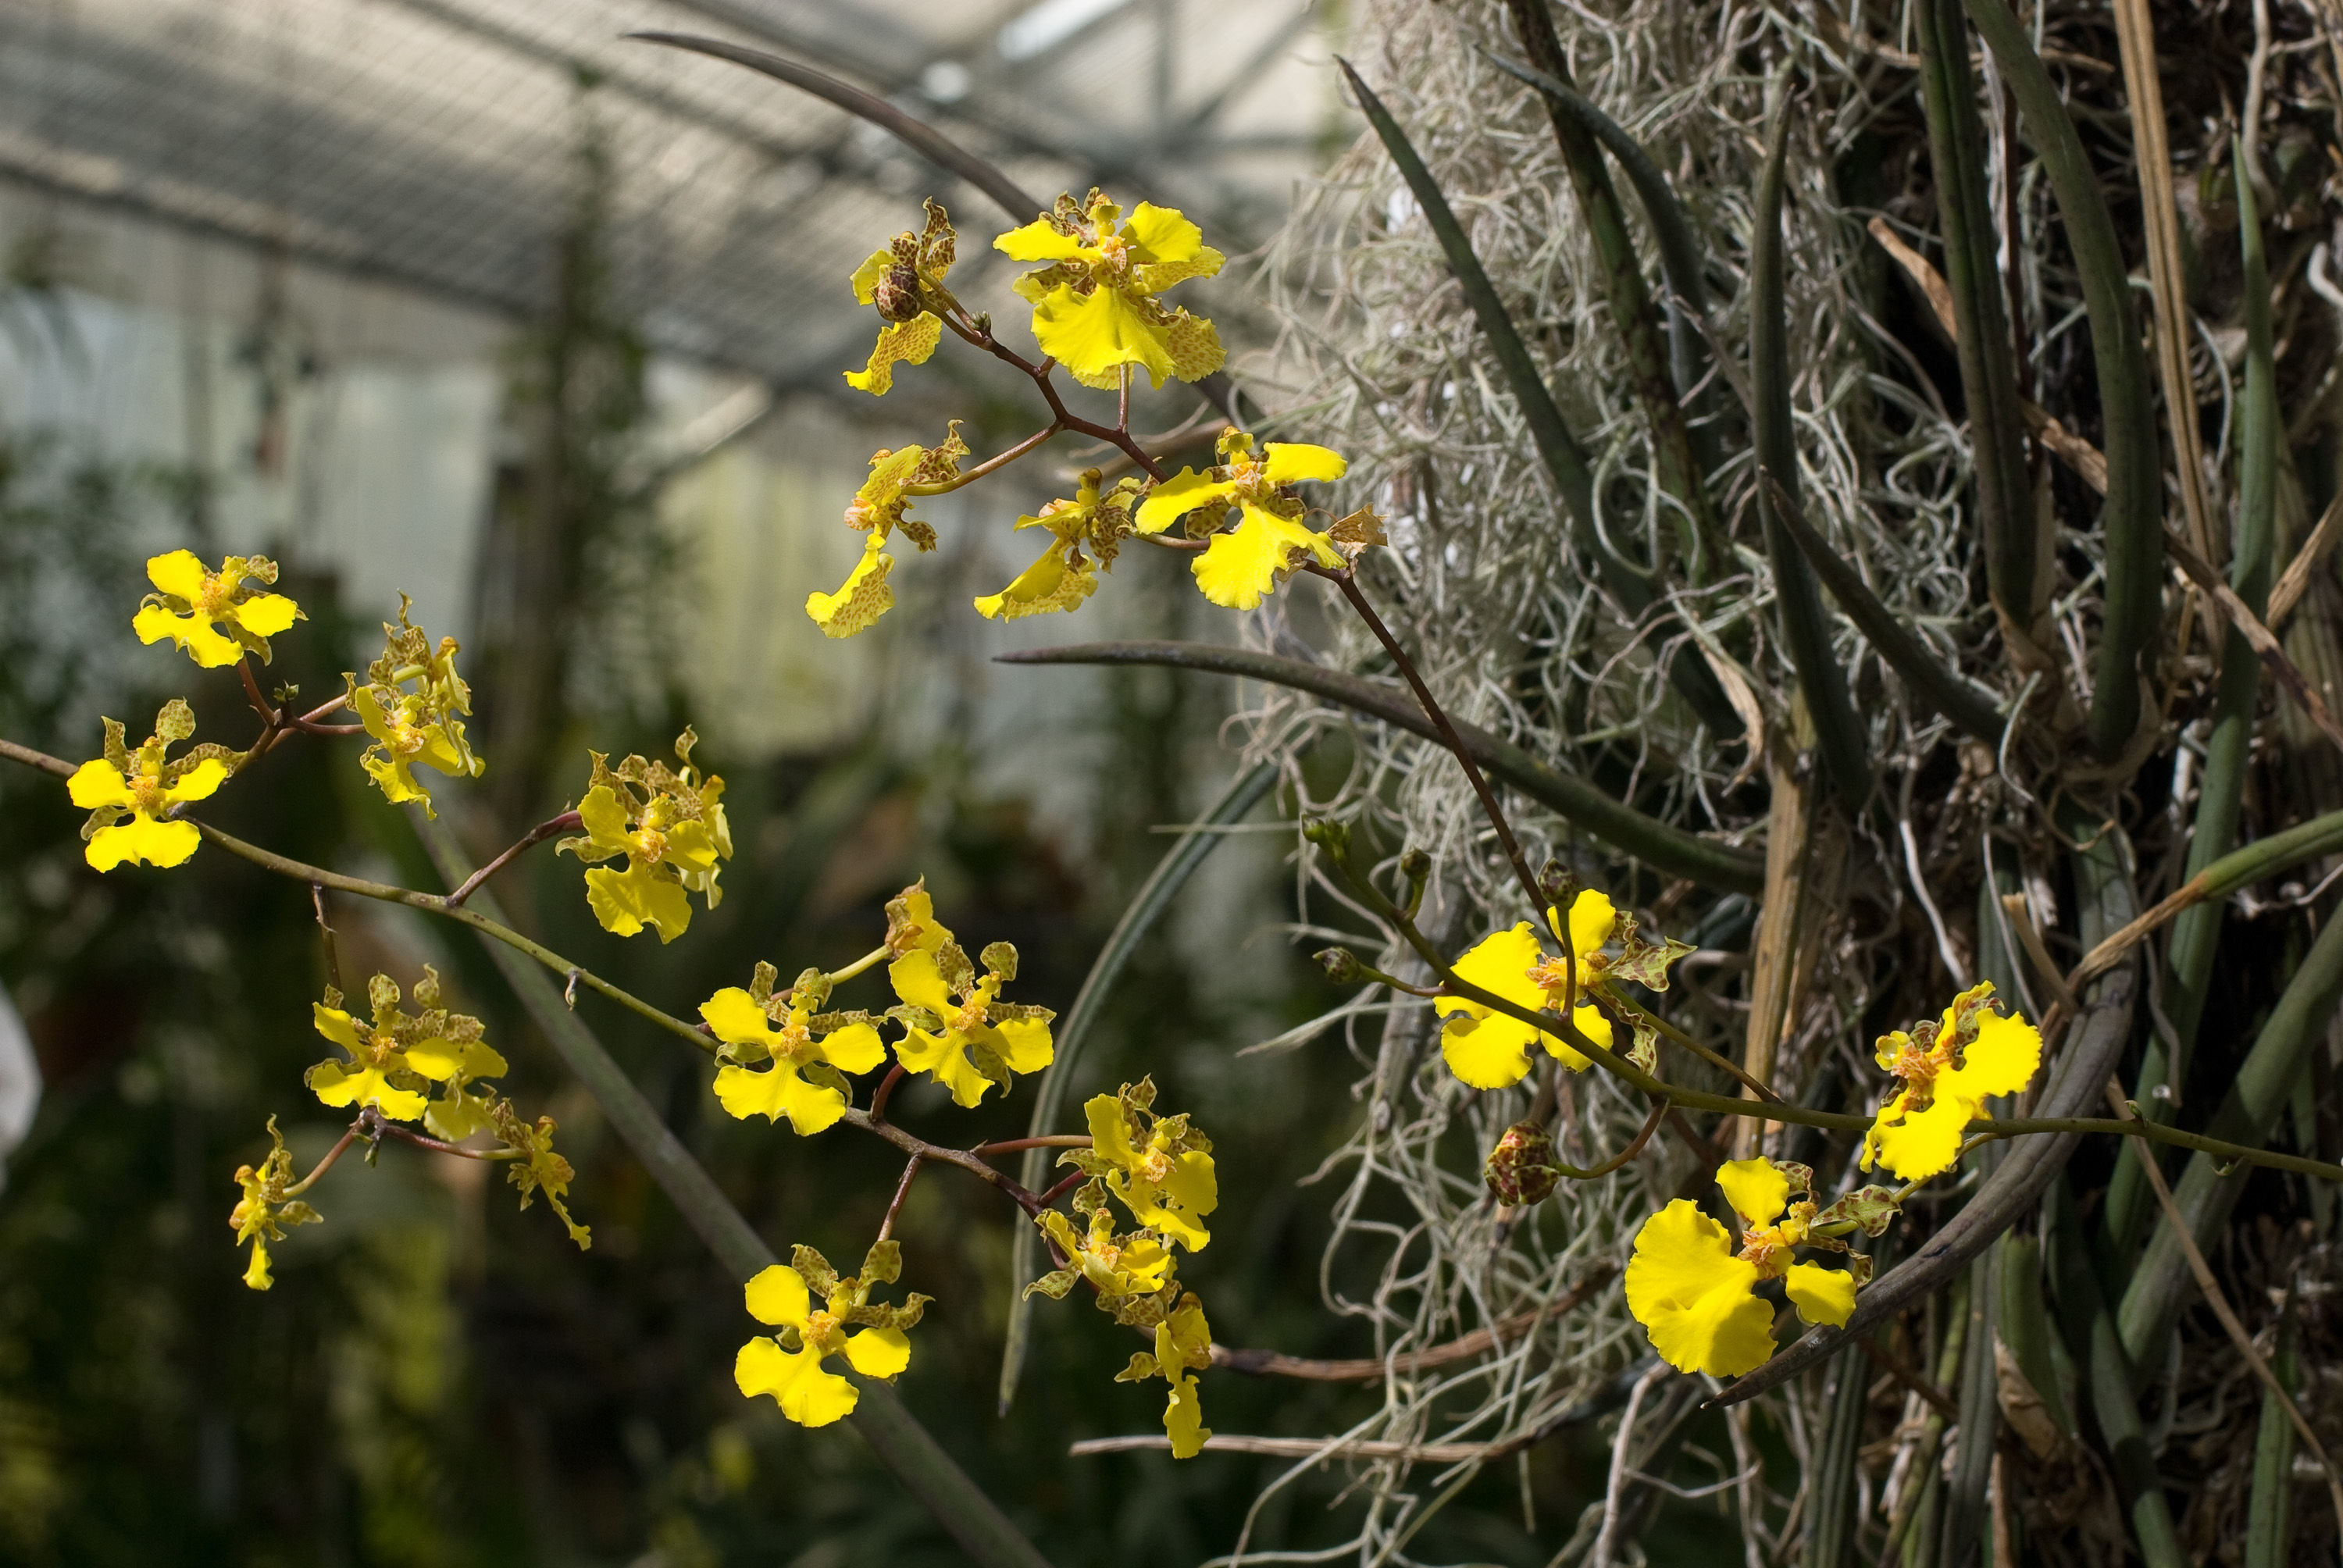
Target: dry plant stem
[2135,36]
[1455,745]
[2021,919]
[1062,418]
[536,836]
[1269,1363]
[276,722]
[2216,1299]
[341,1146]
[1019,1145]
[902,1190]
[2234,610]
[2296,580]
[990,464]
[438,1146]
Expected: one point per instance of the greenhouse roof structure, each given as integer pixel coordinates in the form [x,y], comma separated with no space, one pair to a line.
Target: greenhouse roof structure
[435,144]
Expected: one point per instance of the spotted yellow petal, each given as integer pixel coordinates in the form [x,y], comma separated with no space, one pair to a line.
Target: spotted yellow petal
[861,598]
[1176,496]
[625,901]
[1095,335]
[1694,1297]
[900,343]
[1049,584]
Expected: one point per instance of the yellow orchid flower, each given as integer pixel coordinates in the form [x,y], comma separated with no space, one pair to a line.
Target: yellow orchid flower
[1184,1340]
[905,281]
[878,507]
[538,1168]
[265,1212]
[144,788]
[1157,1166]
[422,726]
[1947,1070]
[1094,306]
[391,1056]
[1239,568]
[1137,1264]
[808,1052]
[218,616]
[957,1030]
[1490,1050]
[1064,576]
[670,824]
[782,1296]
[1695,1293]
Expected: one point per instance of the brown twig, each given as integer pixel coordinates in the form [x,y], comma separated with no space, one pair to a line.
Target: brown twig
[879,1096]
[1018,1145]
[438,1146]
[341,1145]
[535,835]
[1349,585]
[2235,611]
[2295,580]
[902,1190]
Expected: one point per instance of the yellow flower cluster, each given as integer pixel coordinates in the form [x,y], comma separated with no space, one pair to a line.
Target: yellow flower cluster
[392,1060]
[1946,1070]
[1095,312]
[1696,1294]
[267,1208]
[956,1029]
[788,1365]
[422,725]
[670,825]
[1159,1168]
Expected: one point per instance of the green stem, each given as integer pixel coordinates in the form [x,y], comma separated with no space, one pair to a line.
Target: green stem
[1845,744]
[1660,845]
[2132,520]
[1953,697]
[2268,1527]
[902,1444]
[2196,933]
[2162,1285]
[2005,498]
[1673,465]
